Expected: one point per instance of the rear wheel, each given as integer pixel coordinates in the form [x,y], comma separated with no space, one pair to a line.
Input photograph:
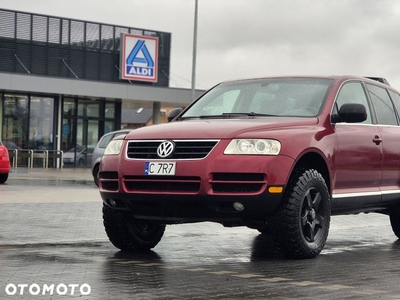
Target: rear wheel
[301,224]
[130,234]
[395,220]
[3,178]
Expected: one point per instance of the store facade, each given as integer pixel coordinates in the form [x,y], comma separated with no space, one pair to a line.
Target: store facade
[62,83]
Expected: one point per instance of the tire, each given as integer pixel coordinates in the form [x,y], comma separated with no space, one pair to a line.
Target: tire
[264,229]
[3,177]
[130,234]
[95,174]
[300,225]
[395,220]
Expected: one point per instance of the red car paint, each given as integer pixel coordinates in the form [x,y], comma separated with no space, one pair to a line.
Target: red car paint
[358,159]
[4,163]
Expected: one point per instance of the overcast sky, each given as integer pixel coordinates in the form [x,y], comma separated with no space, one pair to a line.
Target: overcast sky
[255,38]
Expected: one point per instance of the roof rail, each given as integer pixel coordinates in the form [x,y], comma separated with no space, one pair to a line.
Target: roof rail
[380,79]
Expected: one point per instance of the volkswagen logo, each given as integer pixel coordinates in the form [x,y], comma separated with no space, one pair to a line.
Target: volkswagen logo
[166,149]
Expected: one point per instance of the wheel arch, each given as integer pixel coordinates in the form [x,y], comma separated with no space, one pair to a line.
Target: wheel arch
[96,165]
[313,160]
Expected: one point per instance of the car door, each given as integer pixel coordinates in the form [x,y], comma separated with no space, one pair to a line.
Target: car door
[358,156]
[390,132]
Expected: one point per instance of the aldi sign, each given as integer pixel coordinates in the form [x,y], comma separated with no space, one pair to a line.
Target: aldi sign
[139,57]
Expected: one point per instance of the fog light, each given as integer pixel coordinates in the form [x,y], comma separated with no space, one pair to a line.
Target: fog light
[238,206]
[112,202]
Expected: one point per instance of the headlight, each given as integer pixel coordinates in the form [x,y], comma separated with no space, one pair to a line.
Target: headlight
[253,146]
[114,147]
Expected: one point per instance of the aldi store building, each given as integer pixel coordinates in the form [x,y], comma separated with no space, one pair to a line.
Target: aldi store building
[63,82]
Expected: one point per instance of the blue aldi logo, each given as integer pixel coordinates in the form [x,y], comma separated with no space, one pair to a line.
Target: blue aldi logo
[139,57]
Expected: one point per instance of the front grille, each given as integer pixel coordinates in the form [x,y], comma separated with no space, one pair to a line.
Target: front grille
[190,184]
[183,149]
[237,182]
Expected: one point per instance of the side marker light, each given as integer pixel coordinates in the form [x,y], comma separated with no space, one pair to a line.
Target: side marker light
[275,189]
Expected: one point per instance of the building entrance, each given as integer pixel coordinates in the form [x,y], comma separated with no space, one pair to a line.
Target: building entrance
[84,122]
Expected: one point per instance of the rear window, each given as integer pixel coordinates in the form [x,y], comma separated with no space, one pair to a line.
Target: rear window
[383,105]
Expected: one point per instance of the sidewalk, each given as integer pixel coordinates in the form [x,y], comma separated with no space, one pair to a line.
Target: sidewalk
[73,174]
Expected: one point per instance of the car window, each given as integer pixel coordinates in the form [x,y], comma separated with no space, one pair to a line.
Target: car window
[396,100]
[353,92]
[120,133]
[80,149]
[384,109]
[105,140]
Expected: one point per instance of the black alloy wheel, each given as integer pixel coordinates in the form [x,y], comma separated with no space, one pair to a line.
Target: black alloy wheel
[300,225]
[130,234]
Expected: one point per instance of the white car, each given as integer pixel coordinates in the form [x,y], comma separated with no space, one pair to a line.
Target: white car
[78,156]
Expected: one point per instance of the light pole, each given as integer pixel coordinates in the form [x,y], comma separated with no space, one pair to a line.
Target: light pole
[194,52]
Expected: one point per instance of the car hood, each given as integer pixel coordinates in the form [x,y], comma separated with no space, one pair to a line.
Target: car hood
[215,129]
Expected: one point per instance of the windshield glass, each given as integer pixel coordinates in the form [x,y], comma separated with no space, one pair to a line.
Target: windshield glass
[293,97]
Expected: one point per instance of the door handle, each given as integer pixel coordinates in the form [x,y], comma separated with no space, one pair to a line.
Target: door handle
[377,140]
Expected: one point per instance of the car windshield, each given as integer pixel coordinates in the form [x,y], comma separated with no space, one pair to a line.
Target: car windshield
[289,97]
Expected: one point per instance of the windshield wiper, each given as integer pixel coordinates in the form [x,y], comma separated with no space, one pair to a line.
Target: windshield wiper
[249,114]
[228,116]
[223,116]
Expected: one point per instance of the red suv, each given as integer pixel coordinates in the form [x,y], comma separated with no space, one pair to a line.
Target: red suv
[280,155]
[4,163]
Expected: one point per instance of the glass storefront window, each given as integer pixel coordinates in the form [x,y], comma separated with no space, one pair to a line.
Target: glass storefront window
[41,123]
[108,126]
[15,121]
[88,108]
[28,123]
[110,110]
[69,107]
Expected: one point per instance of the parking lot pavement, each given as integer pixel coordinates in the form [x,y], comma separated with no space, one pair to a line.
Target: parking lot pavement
[52,236]
[79,175]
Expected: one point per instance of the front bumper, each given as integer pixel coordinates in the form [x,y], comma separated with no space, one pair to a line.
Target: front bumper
[4,165]
[201,190]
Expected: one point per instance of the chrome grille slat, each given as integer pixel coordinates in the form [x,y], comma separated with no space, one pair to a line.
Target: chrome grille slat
[196,149]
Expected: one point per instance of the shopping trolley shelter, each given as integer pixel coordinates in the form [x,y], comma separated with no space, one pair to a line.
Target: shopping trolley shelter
[280,155]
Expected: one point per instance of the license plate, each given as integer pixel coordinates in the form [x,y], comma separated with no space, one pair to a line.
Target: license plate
[159,168]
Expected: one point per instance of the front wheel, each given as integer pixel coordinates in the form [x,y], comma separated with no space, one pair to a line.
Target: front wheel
[395,220]
[3,177]
[300,225]
[130,234]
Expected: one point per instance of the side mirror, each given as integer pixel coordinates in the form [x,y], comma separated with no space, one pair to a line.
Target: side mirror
[174,113]
[353,113]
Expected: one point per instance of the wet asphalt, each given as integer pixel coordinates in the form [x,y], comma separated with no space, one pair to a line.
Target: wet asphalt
[53,246]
